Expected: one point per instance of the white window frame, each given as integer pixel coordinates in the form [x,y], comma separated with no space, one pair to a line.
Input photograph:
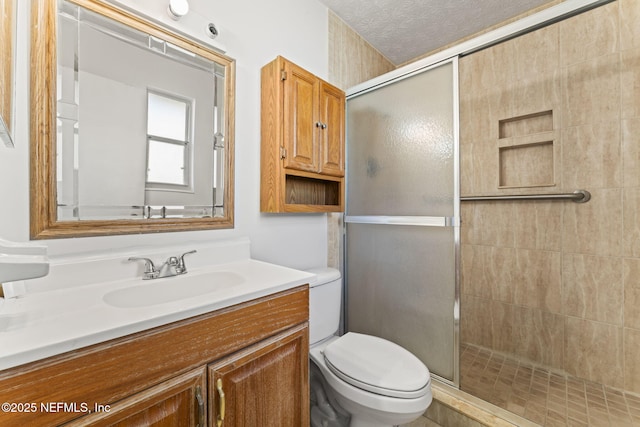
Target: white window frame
[187,143]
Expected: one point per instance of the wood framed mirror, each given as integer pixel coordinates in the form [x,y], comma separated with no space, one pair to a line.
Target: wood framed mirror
[7,56]
[132,125]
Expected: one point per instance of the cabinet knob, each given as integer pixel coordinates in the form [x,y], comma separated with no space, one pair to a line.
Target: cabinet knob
[321,125]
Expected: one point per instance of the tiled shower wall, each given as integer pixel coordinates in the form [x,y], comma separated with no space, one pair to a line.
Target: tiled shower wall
[556,283]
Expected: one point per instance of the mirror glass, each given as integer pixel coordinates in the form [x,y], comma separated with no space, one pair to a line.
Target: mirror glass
[143,126]
[7,59]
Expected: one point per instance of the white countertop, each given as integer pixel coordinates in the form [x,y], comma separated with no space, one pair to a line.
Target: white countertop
[54,321]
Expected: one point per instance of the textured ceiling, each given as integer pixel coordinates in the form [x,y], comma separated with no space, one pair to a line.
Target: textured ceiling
[405,29]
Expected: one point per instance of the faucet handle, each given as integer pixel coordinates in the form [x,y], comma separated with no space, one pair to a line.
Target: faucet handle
[150,271]
[182,267]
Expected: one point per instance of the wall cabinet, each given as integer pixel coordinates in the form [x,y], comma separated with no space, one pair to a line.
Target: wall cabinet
[167,376]
[302,134]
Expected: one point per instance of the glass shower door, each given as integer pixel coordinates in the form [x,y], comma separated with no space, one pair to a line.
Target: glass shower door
[402,219]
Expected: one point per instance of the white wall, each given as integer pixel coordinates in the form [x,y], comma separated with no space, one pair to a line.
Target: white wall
[254,33]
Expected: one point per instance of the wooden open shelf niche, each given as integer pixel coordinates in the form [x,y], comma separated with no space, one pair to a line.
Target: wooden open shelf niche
[309,191]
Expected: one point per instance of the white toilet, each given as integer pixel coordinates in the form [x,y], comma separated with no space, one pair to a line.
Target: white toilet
[358,380]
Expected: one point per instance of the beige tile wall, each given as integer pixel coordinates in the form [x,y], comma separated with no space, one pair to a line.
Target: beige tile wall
[558,283]
[351,59]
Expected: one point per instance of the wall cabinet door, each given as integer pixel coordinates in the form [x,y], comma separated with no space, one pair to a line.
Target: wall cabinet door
[332,119]
[180,401]
[300,112]
[314,117]
[265,385]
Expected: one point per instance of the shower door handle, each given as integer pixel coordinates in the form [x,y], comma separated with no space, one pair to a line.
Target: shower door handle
[424,221]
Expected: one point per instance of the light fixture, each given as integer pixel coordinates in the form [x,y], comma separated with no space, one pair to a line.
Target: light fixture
[178,8]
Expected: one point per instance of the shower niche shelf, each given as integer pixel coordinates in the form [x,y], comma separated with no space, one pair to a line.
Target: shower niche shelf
[526,151]
[302,141]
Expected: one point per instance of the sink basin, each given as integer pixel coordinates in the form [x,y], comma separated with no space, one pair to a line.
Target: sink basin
[20,261]
[171,289]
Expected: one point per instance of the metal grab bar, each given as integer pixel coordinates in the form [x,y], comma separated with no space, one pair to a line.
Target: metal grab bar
[578,196]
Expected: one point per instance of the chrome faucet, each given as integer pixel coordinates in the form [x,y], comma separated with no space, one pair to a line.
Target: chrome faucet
[173,266]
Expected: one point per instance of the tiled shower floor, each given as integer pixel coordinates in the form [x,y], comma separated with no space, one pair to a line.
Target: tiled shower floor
[545,397]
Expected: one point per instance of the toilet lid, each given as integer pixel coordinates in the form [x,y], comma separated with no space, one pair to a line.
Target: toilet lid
[377,365]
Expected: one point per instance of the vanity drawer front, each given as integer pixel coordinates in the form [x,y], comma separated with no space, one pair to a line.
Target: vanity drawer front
[107,372]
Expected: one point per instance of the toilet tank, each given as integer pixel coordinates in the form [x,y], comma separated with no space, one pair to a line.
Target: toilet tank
[325,298]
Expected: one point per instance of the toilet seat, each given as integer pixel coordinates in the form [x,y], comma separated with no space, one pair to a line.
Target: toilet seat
[377,365]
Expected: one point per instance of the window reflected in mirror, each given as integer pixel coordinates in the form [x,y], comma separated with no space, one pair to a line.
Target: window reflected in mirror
[169,160]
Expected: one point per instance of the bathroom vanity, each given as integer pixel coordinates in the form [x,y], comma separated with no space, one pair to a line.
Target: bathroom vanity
[258,350]
[235,353]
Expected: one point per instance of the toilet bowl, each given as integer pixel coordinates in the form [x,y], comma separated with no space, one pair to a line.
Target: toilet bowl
[375,382]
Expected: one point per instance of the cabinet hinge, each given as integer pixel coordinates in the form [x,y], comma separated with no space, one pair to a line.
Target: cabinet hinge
[283,152]
[283,75]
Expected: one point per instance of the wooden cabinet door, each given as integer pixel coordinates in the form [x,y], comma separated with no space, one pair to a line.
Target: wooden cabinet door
[266,385]
[332,117]
[179,402]
[300,118]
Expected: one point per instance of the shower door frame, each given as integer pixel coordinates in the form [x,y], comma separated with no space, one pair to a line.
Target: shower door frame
[421,221]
